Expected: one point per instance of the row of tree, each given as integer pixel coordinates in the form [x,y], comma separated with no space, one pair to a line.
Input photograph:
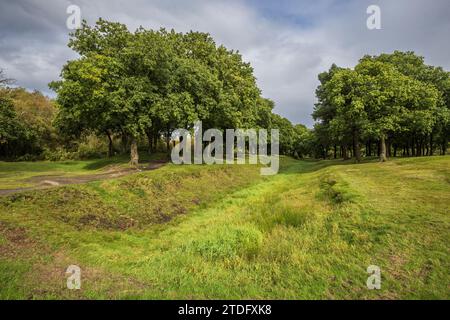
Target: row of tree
[131,86]
[389,104]
[149,83]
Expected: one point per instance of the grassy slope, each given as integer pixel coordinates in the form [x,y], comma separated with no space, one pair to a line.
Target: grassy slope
[225,232]
[17,174]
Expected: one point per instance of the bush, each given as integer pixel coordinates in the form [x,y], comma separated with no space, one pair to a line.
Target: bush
[29,157]
[91,147]
[58,154]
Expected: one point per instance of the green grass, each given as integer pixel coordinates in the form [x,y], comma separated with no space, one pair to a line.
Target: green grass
[309,232]
[17,174]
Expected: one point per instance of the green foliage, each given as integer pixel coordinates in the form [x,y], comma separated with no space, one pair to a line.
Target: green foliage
[27,128]
[88,146]
[287,133]
[15,137]
[91,147]
[392,96]
[37,112]
[152,82]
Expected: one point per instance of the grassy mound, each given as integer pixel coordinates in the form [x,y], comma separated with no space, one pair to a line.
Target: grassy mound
[137,200]
[225,232]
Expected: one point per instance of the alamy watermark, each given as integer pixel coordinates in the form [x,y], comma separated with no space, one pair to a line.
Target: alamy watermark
[74,19]
[374,280]
[74,278]
[213,152]
[374,20]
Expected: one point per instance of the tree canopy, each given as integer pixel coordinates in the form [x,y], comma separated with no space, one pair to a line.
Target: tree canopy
[151,82]
[390,97]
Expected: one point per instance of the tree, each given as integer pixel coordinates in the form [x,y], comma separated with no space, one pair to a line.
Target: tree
[394,99]
[152,82]
[4,80]
[345,91]
[13,134]
[391,97]
[16,136]
[36,112]
[287,134]
[425,125]
[304,141]
[324,112]
[107,88]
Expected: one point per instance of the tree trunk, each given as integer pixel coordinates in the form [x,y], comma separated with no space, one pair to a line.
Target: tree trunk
[110,146]
[150,142]
[388,148]
[168,141]
[345,152]
[155,142]
[431,144]
[383,148]
[335,151]
[124,143]
[356,146]
[134,155]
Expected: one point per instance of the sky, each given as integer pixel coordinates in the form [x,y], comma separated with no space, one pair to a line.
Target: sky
[288,43]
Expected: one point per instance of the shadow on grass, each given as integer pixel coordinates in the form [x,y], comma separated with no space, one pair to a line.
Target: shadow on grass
[101,163]
[293,166]
[123,159]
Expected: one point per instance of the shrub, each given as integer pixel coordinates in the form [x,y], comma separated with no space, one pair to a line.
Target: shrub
[58,154]
[91,147]
[29,157]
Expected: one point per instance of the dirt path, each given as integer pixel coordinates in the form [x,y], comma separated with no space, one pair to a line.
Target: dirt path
[49,181]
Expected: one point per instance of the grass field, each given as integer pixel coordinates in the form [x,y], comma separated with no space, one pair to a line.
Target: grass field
[309,232]
[20,174]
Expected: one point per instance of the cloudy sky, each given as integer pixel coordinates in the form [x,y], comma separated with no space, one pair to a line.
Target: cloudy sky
[287,42]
